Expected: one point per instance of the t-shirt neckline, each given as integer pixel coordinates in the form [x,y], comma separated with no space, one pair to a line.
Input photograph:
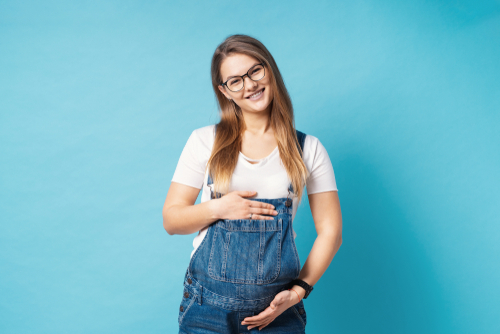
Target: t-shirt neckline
[259,161]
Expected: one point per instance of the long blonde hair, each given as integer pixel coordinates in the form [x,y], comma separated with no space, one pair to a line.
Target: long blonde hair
[228,138]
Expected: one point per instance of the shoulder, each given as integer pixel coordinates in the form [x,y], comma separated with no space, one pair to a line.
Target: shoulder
[206,132]
[311,141]
[311,144]
[192,162]
[203,138]
[314,152]
[319,165]
[201,142]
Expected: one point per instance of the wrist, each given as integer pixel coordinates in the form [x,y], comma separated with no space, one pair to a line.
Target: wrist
[301,292]
[307,288]
[213,208]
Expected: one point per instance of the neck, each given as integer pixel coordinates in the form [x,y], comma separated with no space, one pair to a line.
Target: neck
[257,122]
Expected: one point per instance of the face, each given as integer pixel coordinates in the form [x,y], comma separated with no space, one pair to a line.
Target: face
[239,64]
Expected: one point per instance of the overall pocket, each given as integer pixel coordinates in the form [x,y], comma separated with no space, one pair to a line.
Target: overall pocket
[246,251]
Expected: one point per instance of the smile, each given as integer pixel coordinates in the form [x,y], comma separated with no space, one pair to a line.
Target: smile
[257,95]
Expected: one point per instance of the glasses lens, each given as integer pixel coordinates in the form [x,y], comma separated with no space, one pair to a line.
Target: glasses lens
[235,84]
[257,72]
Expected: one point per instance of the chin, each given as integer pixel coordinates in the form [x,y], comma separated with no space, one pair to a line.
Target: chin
[261,105]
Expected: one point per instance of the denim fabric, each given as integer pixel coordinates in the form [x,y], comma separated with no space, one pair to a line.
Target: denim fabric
[237,271]
[201,316]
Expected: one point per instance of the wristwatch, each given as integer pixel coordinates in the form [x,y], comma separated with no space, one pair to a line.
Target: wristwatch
[302,284]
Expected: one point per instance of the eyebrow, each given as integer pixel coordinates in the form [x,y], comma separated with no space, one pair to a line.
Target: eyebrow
[232,76]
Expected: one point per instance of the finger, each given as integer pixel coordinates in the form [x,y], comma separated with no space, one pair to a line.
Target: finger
[260,328]
[257,323]
[243,193]
[259,211]
[258,204]
[268,212]
[259,317]
[259,217]
[263,323]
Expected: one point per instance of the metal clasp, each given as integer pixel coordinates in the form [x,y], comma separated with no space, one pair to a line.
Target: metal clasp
[289,201]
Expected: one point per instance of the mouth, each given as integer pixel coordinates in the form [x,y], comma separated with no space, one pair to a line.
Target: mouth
[255,96]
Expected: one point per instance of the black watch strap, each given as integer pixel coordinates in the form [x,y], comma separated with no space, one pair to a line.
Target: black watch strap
[302,284]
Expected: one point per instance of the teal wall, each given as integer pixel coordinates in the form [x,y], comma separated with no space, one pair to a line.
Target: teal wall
[97,99]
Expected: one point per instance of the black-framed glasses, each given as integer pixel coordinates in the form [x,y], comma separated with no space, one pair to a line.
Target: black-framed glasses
[236,83]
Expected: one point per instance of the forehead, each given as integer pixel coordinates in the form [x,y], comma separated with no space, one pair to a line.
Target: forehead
[237,64]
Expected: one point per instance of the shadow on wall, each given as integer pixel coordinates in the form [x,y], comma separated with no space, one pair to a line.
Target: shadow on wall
[381,279]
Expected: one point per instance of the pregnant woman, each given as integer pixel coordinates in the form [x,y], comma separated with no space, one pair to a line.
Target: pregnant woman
[245,275]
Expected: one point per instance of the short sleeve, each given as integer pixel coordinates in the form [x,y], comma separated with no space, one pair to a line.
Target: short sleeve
[322,176]
[189,170]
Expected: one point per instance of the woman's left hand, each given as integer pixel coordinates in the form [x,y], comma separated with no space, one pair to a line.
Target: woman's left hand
[281,302]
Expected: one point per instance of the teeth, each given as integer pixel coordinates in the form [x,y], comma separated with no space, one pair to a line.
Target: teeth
[256,94]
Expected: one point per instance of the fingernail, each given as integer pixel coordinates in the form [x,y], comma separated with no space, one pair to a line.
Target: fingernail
[275,212]
[273,206]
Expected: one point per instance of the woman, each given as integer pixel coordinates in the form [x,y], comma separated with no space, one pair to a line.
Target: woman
[244,272]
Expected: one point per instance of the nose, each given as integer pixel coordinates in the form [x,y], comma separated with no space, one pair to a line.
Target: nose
[249,83]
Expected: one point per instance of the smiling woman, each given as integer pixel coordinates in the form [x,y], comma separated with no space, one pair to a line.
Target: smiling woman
[252,167]
[236,82]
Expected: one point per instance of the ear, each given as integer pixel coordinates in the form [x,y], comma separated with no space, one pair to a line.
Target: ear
[223,91]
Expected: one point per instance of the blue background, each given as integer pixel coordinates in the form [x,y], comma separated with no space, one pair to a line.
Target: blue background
[97,100]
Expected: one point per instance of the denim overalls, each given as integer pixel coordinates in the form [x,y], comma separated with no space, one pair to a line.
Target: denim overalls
[238,269]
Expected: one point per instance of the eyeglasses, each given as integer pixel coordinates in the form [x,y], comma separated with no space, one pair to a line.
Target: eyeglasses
[236,83]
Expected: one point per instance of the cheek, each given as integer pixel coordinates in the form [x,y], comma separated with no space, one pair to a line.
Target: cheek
[269,90]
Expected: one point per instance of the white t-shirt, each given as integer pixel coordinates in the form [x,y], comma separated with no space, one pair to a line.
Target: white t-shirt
[267,177]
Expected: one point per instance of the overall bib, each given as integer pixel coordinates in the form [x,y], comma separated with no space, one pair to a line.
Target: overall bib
[238,269]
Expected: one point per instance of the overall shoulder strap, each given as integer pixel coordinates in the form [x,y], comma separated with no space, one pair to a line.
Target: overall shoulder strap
[301,136]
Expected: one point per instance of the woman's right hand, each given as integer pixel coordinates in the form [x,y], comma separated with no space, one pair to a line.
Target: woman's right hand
[234,205]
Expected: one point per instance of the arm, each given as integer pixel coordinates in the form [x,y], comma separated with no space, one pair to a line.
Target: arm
[181,216]
[325,208]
